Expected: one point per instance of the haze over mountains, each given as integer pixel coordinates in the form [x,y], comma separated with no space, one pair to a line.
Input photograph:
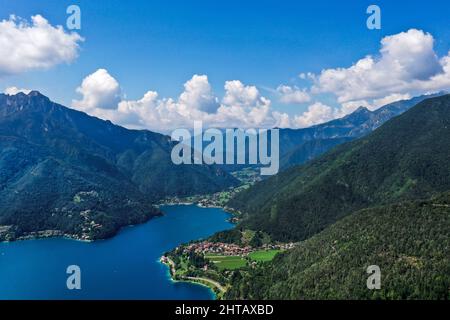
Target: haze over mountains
[63,170]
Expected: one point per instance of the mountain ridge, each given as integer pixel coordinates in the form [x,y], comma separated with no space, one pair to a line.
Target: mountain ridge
[378,168]
[61,169]
[382,200]
[298,146]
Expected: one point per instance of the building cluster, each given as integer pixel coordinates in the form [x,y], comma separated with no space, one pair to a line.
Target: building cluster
[230,249]
[226,249]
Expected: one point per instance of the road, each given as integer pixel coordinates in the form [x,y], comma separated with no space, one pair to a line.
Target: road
[214,283]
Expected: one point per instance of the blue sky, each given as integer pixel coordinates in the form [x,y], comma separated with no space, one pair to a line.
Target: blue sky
[157,45]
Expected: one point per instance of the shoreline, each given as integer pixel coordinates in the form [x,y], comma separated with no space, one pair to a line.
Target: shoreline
[57,234]
[169,268]
[214,289]
[227,209]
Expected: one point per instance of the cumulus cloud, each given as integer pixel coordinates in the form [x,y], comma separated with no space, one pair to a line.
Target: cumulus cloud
[244,106]
[377,103]
[99,91]
[348,107]
[237,94]
[37,45]
[14,90]
[198,95]
[241,106]
[292,95]
[405,64]
[317,113]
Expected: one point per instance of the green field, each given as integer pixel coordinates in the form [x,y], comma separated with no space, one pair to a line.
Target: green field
[263,255]
[227,262]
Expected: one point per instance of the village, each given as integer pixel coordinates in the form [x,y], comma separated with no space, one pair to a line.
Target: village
[231,249]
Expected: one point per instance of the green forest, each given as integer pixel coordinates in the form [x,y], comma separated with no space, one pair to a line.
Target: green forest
[381,200]
[406,158]
[63,172]
[409,242]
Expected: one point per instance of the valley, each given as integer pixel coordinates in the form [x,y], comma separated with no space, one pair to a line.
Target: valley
[83,177]
[125,266]
[370,188]
[273,156]
[310,232]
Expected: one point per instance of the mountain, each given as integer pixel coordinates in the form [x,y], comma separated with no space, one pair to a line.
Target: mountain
[407,158]
[382,200]
[298,146]
[65,171]
[409,242]
[309,150]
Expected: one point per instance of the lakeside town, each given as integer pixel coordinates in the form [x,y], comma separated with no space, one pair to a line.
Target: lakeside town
[247,177]
[212,263]
[231,249]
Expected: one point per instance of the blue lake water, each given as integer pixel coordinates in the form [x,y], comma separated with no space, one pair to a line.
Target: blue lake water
[124,267]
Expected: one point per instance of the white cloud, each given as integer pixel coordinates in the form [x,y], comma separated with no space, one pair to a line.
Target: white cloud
[282,120]
[237,94]
[406,65]
[292,95]
[377,103]
[14,90]
[349,107]
[38,45]
[317,113]
[307,76]
[242,106]
[198,95]
[99,90]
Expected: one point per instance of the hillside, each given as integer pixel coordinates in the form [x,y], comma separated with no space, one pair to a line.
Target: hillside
[406,158]
[408,241]
[297,146]
[63,170]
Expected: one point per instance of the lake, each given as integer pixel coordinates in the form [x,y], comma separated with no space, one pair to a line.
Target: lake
[123,267]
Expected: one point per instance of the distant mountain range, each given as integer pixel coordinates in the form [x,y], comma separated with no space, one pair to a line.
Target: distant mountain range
[382,199]
[69,173]
[64,172]
[298,146]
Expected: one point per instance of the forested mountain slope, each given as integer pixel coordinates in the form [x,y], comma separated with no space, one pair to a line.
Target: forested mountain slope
[63,170]
[409,241]
[406,158]
[298,146]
